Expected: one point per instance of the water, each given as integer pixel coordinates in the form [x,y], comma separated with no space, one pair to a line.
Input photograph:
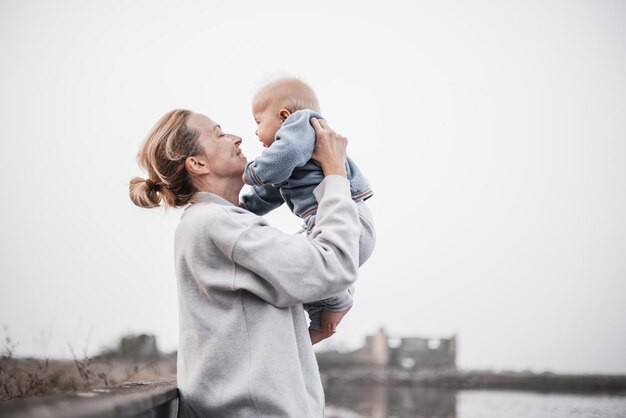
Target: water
[382,402]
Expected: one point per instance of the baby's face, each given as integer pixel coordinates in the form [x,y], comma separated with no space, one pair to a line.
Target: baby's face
[268,122]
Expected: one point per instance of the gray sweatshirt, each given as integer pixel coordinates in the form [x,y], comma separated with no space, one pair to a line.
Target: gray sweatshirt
[244,348]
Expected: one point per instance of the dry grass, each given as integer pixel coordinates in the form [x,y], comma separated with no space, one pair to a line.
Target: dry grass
[24,377]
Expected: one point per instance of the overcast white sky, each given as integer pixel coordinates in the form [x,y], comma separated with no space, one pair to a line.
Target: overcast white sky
[493,133]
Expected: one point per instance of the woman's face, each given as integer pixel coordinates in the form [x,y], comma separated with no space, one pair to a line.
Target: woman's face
[224,157]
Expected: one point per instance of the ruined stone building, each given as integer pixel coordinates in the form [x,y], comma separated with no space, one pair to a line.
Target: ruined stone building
[139,346]
[134,346]
[416,353]
[410,353]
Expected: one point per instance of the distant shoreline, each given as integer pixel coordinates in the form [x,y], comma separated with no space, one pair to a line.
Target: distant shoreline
[455,379]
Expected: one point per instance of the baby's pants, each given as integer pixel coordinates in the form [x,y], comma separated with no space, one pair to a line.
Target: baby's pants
[343,301]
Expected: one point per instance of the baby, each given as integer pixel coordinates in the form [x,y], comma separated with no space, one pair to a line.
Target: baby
[285,173]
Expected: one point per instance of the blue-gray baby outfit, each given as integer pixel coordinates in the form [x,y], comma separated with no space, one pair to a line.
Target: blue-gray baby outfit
[285,173]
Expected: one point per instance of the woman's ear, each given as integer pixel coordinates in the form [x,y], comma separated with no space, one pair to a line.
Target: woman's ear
[284,114]
[196,165]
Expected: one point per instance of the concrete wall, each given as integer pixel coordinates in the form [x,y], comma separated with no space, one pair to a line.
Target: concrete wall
[130,400]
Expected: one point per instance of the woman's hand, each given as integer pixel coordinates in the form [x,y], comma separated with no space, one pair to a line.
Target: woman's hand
[330,149]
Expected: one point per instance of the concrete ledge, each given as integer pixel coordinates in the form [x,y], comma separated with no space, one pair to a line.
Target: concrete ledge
[130,400]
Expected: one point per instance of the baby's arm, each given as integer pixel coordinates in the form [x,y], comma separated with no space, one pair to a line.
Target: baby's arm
[262,199]
[293,147]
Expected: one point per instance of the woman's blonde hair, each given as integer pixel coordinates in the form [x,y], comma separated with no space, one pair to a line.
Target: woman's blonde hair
[162,155]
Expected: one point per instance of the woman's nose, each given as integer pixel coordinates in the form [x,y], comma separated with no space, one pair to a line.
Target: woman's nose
[256,132]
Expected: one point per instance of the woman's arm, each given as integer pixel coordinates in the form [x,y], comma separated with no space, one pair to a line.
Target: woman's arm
[286,269]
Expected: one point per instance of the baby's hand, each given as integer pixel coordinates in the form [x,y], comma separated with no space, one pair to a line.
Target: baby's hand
[244,178]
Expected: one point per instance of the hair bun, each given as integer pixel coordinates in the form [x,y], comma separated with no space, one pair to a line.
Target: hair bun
[152,186]
[162,156]
[142,193]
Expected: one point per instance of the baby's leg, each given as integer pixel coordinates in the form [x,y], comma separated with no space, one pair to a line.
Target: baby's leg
[325,315]
[367,240]
[334,309]
[315,326]
[317,336]
[315,315]
[329,321]
[332,312]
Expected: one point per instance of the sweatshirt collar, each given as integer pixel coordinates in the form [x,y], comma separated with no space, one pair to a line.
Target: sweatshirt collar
[208,197]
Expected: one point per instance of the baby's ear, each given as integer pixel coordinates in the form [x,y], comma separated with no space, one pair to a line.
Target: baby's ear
[284,114]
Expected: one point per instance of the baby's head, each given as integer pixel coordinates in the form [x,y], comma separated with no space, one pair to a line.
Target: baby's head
[276,101]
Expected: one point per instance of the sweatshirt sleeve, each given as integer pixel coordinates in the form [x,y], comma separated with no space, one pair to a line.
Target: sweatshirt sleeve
[286,269]
[293,147]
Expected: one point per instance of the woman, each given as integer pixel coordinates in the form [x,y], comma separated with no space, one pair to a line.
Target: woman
[244,348]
